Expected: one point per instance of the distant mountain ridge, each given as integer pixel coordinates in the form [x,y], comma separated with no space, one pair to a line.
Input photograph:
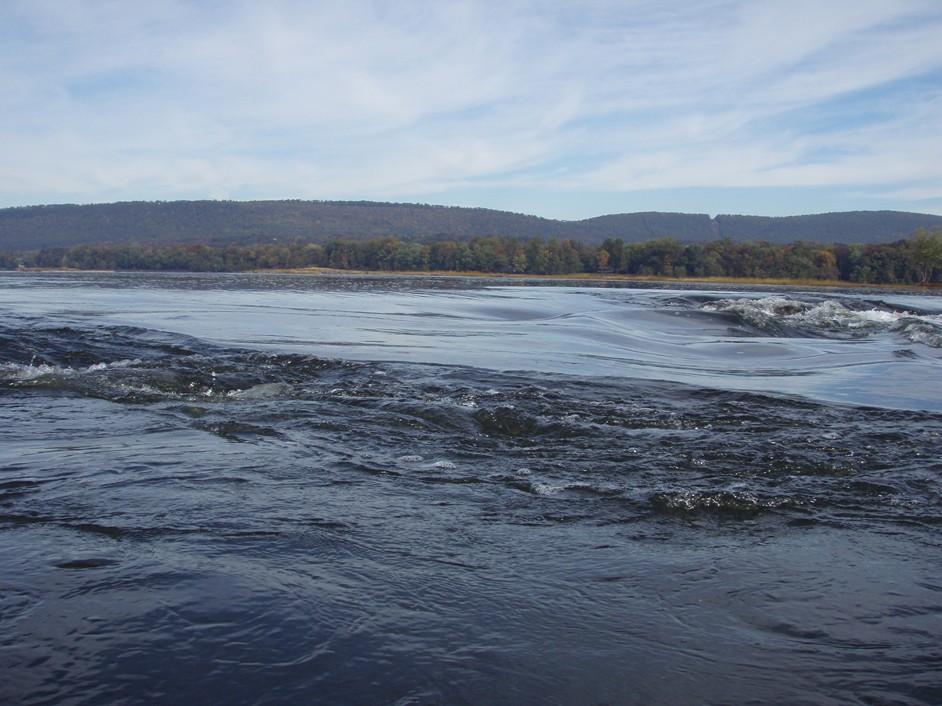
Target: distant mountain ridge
[247,222]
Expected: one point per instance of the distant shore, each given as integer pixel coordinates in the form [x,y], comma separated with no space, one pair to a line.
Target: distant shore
[934,288]
[598,277]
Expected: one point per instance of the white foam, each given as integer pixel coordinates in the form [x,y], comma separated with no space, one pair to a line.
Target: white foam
[443,464]
[16,371]
[834,316]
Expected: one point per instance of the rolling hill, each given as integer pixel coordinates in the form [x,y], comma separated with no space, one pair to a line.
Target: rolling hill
[246,222]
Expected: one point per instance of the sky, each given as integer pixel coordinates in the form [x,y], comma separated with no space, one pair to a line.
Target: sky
[554,108]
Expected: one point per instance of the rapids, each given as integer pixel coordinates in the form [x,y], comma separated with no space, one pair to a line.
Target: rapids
[265,489]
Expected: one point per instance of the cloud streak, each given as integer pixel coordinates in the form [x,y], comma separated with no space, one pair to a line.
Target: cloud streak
[561,109]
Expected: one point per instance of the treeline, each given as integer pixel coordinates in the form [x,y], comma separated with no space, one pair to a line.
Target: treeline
[911,261]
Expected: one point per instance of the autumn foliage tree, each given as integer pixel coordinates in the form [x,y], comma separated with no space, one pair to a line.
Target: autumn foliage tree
[917,260]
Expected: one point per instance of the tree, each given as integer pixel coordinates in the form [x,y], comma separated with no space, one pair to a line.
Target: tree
[443,255]
[602,257]
[926,253]
[519,263]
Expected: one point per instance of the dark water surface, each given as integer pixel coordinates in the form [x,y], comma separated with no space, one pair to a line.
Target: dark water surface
[273,489]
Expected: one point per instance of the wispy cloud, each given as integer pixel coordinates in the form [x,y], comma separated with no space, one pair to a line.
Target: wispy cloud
[587,103]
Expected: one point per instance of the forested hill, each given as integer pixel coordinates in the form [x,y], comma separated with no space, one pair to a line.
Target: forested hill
[248,222]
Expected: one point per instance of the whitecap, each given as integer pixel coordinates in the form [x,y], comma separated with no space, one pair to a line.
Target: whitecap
[546,489]
[16,371]
[832,316]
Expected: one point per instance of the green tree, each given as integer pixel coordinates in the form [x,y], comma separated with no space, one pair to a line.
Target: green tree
[926,253]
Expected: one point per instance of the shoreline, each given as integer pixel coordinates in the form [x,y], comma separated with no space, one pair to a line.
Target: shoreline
[613,278]
[929,289]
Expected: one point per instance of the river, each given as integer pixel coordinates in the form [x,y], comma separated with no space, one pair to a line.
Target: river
[252,489]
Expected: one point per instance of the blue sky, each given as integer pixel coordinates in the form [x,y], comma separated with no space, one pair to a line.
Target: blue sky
[559,109]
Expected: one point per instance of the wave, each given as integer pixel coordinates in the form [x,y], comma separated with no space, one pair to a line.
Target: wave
[736,504]
[615,447]
[787,317]
[168,367]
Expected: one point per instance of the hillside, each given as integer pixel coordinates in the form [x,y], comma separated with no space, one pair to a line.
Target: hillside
[847,227]
[242,223]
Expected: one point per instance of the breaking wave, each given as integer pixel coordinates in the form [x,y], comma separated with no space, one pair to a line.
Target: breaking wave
[788,317]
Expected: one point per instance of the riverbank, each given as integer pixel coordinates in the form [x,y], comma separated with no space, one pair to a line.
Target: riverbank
[581,277]
[616,278]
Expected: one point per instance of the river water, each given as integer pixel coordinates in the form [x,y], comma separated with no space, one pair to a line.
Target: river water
[251,489]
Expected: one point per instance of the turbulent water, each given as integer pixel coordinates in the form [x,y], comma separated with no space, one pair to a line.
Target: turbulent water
[280,489]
